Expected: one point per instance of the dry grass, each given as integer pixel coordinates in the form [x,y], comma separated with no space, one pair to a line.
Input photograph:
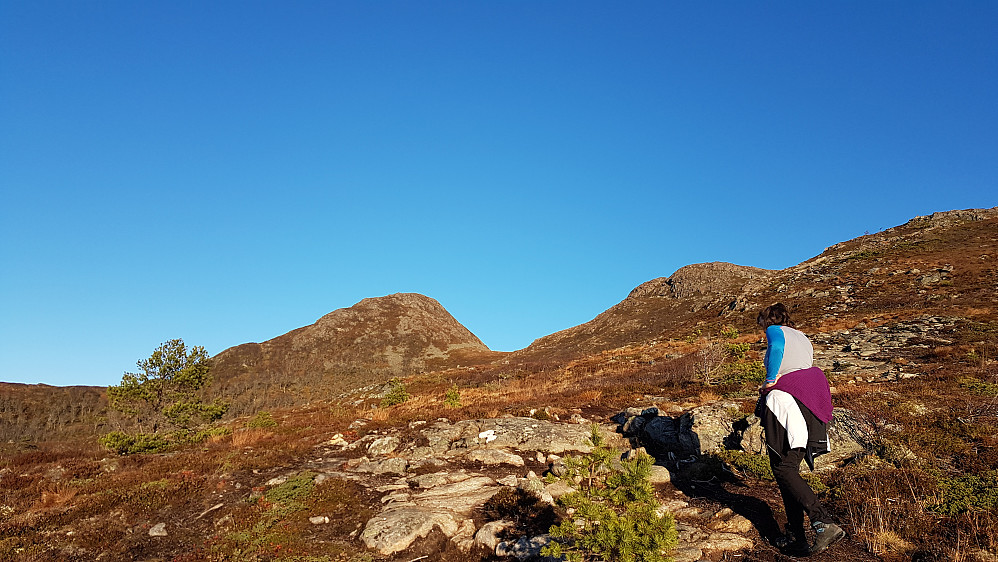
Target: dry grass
[250,436]
[59,496]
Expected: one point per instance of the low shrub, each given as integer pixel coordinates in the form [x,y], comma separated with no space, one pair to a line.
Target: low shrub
[967,492]
[979,387]
[397,394]
[452,398]
[125,444]
[200,435]
[262,420]
[741,372]
[530,514]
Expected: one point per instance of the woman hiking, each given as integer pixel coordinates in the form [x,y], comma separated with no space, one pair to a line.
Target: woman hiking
[795,407]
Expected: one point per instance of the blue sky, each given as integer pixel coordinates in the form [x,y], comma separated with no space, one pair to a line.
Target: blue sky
[225,172]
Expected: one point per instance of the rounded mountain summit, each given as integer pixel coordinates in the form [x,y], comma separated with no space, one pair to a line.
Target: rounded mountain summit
[367,343]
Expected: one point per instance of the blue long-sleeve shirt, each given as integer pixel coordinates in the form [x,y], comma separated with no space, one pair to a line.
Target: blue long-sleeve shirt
[787,350]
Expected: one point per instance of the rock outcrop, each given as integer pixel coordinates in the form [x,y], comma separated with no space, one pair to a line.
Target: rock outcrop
[719,426]
[438,480]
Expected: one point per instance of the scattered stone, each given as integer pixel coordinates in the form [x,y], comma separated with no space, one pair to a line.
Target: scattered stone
[487,537]
[276,481]
[509,480]
[659,475]
[558,489]
[445,507]
[523,549]
[318,520]
[495,457]
[726,542]
[464,538]
[383,445]
[672,506]
[337,441]
[727,521]
[158,530]
[687,554]
[430,480]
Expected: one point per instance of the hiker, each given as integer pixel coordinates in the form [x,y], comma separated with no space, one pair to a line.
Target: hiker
[795,407]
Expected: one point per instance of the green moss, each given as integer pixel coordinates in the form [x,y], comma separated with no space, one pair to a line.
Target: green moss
[289,496]
[755,465]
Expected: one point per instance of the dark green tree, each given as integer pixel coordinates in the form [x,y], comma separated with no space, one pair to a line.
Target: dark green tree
[166,391]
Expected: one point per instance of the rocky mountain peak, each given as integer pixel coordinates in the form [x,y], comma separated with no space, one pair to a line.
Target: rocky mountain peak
[712,278]
[369,342]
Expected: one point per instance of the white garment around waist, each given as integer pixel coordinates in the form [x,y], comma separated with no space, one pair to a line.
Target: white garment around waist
[787,412]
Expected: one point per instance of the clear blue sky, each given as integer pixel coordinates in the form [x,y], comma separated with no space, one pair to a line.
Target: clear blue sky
[225,172]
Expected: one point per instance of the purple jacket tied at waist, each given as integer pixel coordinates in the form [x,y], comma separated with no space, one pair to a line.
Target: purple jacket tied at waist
[810,387]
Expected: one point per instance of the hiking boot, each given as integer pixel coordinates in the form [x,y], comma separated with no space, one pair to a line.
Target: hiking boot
[827,534]
[792,544]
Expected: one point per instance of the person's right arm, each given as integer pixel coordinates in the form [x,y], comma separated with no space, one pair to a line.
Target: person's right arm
[775,344]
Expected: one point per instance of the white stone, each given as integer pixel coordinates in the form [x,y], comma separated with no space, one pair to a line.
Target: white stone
[158,530]
[487,538]
[384,445]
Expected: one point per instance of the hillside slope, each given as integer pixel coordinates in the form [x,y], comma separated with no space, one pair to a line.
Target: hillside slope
[944,263]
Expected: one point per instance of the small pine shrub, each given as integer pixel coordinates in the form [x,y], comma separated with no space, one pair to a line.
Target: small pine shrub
[744,372]
[968,492]
[738,350]
[616,515]
[979,387]
[262,420]
[125,444]
[397,393]
[200,435]
[289,496]
[452,398]
[730,332]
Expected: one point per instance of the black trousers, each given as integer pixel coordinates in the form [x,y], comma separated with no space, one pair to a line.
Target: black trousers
[798,497]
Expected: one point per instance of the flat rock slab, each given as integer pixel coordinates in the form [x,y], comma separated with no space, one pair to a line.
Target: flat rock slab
[520,434]
[446,506]
[495,457]
[395,529]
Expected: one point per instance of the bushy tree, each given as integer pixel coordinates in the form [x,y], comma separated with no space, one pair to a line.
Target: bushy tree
[166,389]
